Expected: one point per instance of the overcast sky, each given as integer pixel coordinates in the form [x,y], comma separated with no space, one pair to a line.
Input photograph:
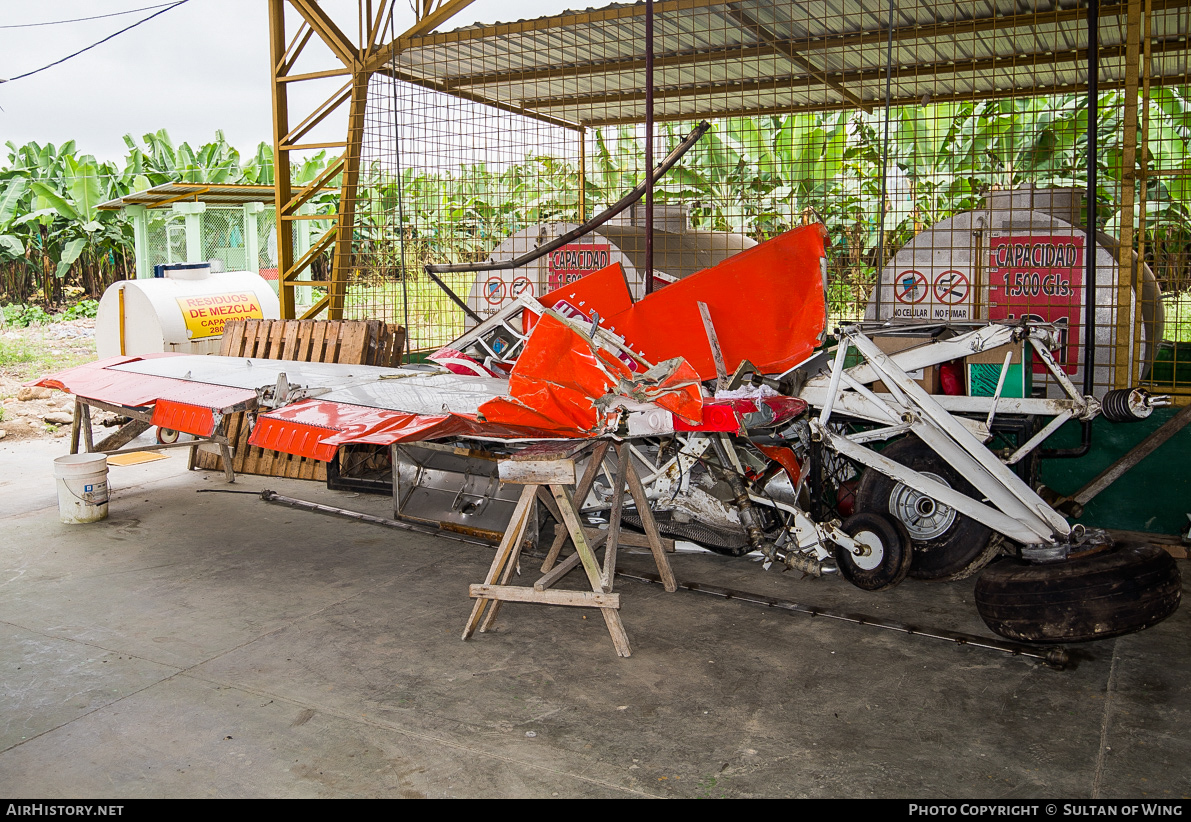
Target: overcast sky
[194,69]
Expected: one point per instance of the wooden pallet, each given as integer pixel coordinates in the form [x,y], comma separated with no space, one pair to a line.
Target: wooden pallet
[354,342]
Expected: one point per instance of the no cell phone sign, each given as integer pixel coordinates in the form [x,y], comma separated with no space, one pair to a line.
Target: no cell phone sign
[910,287]
[494,291]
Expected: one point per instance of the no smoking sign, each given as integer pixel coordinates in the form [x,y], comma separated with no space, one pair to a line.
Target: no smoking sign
[951,288]
[932,295]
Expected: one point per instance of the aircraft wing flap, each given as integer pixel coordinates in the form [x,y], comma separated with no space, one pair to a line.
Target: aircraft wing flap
[105,382]
[316,428]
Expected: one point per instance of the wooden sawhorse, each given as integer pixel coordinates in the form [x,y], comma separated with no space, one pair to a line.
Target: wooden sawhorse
[546,470]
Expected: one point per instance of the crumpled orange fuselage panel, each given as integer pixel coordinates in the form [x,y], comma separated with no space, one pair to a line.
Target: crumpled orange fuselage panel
[768,306]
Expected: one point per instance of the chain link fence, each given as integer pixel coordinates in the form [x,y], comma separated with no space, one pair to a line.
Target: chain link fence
[945,150]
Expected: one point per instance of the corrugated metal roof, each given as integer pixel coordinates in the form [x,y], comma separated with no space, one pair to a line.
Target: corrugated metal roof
[756,56]
[210,193]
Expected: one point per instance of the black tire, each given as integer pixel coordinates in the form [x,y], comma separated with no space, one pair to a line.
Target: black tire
[889,561]
[947,544]
[1123,589]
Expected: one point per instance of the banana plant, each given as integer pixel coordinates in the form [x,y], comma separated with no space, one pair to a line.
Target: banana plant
[163,162]
[755,175]
[11,245]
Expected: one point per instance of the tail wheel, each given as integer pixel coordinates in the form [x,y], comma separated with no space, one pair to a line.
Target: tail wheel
[1130,586]
[167,436]
[947,544]
[883,556]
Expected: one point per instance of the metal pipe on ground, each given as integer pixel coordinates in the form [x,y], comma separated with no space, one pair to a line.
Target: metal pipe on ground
[1053,657]
[318,508]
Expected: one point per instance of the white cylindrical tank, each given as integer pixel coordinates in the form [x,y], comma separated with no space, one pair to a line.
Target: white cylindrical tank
[1021,255]
[678,252]
[184,311]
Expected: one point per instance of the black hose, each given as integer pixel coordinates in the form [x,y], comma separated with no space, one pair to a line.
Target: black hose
[1089,252]
[595,222]
[1089,312]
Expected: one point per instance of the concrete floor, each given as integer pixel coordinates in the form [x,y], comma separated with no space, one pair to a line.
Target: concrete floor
[199,644]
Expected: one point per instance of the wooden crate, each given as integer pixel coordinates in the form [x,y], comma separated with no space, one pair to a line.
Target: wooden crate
[353,342]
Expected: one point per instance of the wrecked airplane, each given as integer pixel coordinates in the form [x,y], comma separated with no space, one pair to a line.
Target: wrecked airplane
[739,423]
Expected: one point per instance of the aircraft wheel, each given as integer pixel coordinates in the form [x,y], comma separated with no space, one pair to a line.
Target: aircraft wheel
[1122,589]
[886,556]
[947,544]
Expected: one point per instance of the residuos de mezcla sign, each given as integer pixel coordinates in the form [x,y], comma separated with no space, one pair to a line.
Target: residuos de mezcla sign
[205,316]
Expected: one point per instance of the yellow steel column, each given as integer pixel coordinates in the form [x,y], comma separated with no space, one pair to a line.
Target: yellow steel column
[359,61]
[582,175]
[281,175]
[342,265]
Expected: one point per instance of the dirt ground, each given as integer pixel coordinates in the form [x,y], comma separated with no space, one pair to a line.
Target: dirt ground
[27,354]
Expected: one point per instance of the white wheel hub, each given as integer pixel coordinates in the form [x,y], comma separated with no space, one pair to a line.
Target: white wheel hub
[924,517]
[872,552]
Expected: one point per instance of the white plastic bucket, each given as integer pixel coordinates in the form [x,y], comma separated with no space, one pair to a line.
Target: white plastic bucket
[82,481]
